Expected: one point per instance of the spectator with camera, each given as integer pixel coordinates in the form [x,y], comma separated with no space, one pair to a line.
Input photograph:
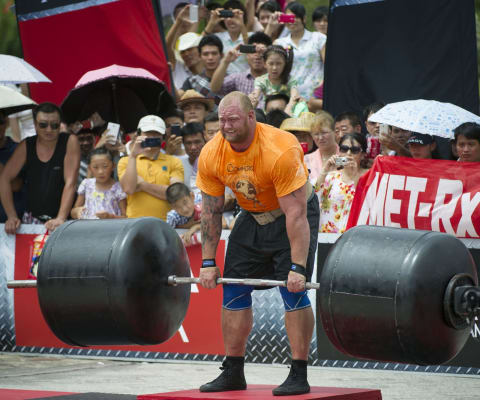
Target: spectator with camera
[147,172]
[190,63]
[234,17]
[173,141]
[50,162]
[242,81]
[267,15]
[337,181]
[394,141]
[211,52]
[308,49]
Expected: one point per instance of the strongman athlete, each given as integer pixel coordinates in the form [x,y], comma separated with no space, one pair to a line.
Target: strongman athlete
[274,237]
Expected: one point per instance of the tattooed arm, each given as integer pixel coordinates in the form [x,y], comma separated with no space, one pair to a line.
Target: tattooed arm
[211,225]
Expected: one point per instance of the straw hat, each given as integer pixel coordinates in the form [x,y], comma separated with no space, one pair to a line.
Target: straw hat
[295,124]
[192,96]
[308,118]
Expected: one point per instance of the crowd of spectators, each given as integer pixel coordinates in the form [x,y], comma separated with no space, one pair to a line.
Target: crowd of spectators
[256,48]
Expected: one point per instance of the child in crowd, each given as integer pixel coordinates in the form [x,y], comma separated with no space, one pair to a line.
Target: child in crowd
[101,196]
[186,210]
[278,63]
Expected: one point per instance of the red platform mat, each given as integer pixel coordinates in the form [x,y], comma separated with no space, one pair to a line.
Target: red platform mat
[264,392]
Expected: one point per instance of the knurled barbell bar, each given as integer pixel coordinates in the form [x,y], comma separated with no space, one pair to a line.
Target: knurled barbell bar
[384,293]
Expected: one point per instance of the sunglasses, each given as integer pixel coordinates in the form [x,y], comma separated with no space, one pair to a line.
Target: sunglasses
[53,125]
[353,149]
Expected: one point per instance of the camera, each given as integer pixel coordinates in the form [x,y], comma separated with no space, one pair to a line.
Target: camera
[247,48]
[226,13]
[286,18]
[152,142]
[176,130]
[341,161]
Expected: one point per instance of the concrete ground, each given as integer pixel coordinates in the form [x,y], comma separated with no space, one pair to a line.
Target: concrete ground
[60,373]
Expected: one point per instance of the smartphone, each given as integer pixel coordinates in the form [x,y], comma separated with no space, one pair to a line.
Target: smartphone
[176,130]
[226,13]
[247,48]
[112,133]
[286,18]
[193,13]
[152,142]
[383,130]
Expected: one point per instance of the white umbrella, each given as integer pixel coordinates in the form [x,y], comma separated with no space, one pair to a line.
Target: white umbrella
[12,101]
[424,116]
[17,70]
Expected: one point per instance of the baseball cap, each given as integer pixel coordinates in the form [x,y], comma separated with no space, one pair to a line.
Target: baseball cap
[151,123]
[420,138]
[188,40]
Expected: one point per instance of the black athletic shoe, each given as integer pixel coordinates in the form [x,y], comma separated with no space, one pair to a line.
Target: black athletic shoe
[232,378]
[296,383]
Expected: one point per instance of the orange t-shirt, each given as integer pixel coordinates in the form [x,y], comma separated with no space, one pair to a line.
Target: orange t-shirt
[271,167]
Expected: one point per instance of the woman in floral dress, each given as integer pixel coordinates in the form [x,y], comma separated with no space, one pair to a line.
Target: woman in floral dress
[336,184]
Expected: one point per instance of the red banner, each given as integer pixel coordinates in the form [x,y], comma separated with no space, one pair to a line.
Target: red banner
[435,195]
[201,321]
[77,40]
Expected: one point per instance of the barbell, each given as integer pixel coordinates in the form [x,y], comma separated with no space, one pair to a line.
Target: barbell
[385,294]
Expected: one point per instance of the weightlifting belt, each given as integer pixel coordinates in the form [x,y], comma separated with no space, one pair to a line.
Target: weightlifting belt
[270,216]
[267,216]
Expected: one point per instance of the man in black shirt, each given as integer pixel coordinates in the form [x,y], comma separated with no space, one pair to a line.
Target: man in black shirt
[50,162]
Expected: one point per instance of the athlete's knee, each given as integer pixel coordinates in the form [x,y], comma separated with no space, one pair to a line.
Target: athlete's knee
[294,301]
[237,297]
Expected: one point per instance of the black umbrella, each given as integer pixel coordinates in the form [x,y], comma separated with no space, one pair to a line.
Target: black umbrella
[119,94]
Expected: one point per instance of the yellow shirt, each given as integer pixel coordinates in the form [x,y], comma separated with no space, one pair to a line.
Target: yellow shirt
[270,168]
[158,172]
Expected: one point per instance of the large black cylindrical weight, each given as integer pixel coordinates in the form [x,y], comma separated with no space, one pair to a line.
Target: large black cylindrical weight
[382,294]
[104,282]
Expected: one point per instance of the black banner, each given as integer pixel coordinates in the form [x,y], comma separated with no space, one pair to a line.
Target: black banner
[33,6]
[394,50]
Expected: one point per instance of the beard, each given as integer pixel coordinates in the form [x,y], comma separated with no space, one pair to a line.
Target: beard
[238,135]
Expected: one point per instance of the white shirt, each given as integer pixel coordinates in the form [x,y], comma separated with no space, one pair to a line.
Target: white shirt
[240,64]
[307,66]
[180,74]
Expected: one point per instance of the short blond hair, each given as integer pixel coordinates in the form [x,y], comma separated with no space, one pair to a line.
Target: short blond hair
[322,120]
[240,97]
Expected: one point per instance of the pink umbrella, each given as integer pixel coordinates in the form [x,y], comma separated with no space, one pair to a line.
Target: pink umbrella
[117,71]
[119,94]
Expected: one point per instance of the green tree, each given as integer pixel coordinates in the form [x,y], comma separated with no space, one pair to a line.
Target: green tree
[9,38]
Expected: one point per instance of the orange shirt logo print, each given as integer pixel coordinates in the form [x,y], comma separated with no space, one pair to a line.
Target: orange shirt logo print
[247,189]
